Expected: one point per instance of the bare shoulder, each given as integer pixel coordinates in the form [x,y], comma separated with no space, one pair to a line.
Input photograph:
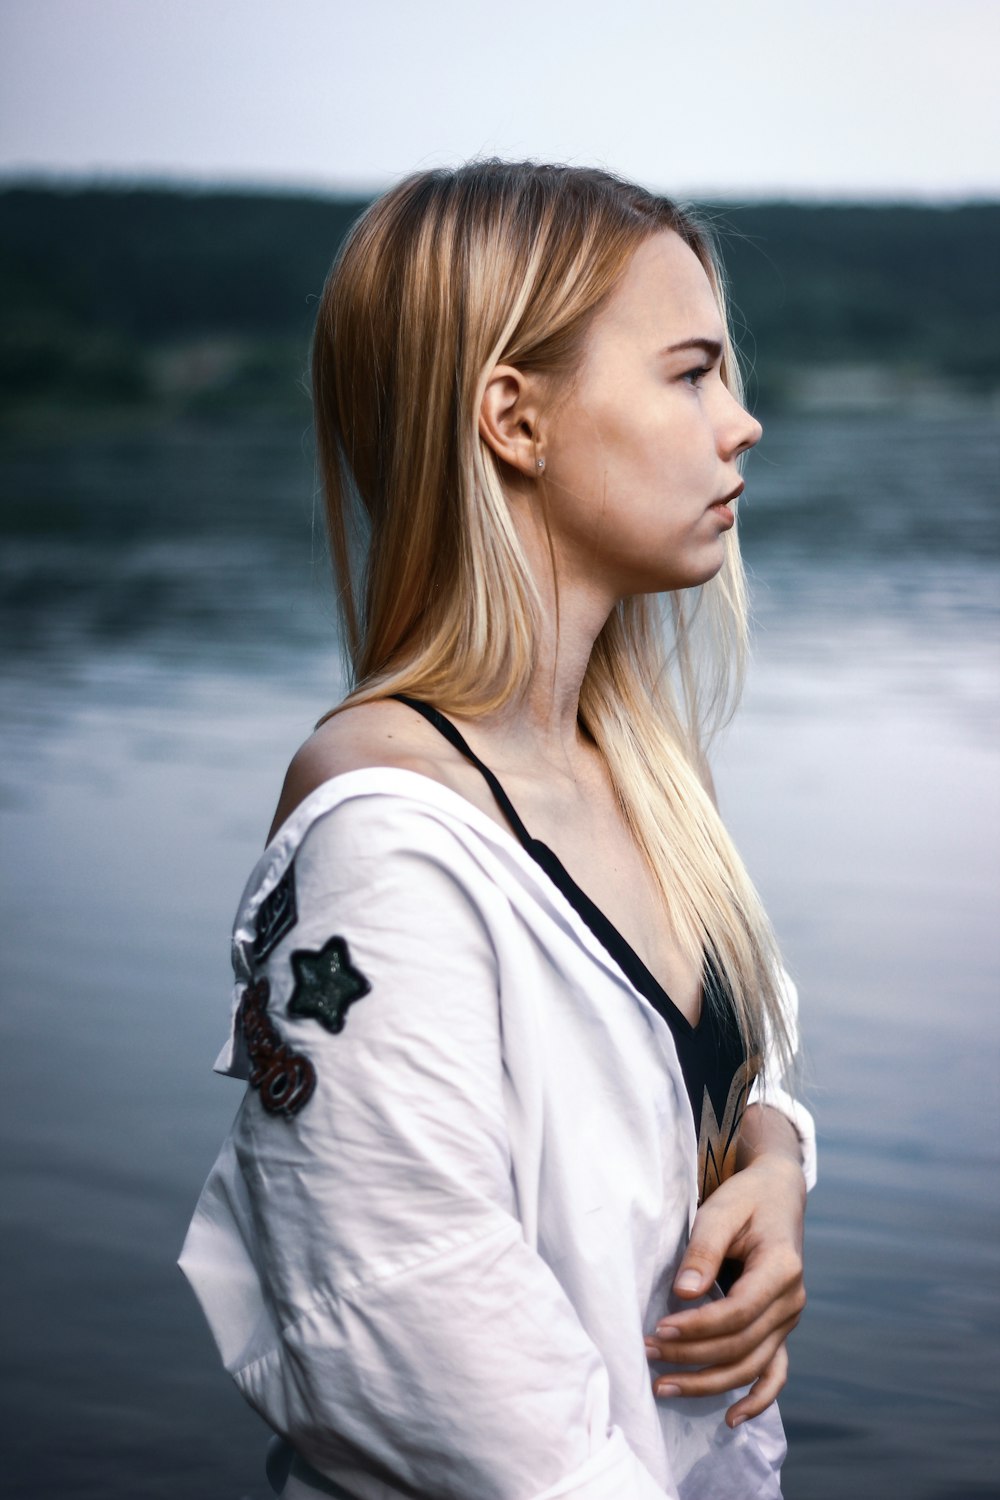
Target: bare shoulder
[381,733]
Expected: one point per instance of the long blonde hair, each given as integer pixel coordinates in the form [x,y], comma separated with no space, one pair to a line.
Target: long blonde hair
[448,274]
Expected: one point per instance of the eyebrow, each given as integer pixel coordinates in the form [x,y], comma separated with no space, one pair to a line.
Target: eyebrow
[711,347]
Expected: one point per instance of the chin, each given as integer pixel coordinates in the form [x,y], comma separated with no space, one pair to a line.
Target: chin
[713,571]
[674,580]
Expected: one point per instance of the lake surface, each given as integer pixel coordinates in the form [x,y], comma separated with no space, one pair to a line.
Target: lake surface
[169,640]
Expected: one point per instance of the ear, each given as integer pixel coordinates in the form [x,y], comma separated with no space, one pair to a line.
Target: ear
[508,419]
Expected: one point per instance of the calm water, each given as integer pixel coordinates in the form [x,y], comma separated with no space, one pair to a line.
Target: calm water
[169,642]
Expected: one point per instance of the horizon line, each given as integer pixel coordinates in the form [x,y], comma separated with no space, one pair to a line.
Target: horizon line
[54,178]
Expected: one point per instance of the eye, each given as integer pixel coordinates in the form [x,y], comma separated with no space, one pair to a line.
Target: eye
[696,376]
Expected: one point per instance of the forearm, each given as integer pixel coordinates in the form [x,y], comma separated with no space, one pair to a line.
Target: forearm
[755,1217]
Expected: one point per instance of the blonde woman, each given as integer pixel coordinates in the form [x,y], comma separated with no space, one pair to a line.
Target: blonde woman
[511,1013]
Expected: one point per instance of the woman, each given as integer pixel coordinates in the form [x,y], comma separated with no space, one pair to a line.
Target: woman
[504,991]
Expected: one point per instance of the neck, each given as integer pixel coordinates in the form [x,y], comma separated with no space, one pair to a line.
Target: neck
[542,726]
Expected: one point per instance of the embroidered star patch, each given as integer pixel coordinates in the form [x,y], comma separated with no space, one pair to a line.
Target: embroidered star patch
[276,916]
[326,984]
[284,1078]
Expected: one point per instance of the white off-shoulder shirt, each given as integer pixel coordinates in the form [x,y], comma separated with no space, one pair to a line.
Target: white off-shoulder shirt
[429,1252]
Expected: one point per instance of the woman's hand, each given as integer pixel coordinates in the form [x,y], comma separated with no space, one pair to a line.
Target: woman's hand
[755,1216]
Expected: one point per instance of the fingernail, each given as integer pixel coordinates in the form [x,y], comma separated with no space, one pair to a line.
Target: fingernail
[665,1389]
[667,1331]
[688,1281]
[652,1351]
[737,1422]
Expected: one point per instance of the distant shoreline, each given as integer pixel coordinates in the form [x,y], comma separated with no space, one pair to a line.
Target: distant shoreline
[135,302]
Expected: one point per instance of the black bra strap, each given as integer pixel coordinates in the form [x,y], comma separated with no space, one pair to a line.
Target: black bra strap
[447,728]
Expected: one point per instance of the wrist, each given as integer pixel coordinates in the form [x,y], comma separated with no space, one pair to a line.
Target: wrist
[767,1136]
[780,1169]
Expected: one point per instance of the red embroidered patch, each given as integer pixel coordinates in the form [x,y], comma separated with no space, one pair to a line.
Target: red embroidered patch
[284,1078]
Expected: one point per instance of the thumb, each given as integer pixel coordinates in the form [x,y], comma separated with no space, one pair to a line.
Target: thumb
[701,1262]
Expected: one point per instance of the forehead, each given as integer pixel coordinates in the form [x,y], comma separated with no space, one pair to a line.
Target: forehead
[665,296]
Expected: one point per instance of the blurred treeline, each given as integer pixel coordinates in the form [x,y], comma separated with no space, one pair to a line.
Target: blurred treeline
[159,302]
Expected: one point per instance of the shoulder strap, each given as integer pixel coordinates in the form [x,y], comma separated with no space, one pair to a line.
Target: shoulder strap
[447,728]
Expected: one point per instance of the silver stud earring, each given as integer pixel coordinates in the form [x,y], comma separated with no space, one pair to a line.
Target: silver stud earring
[541,463]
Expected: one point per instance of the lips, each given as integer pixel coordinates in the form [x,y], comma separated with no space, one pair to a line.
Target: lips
[721,507]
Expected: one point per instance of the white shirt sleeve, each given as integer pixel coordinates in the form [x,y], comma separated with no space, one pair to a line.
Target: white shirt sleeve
[408,1330]
[771,1092]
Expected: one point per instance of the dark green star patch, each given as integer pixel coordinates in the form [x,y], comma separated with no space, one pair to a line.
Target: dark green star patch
[326,984]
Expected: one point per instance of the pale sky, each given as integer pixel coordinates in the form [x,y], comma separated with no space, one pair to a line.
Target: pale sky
[729,98]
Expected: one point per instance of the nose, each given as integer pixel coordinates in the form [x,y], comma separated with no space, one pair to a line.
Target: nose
[741,431]
[754,434]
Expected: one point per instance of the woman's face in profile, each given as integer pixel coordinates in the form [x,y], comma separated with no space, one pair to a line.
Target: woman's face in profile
[644,448]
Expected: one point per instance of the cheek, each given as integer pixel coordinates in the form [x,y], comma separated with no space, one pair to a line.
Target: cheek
[629,456]
[639,448]
[659,461]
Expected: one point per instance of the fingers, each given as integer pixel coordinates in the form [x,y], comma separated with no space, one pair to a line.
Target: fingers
[766,1366]
[714,1232]
[765,1390]
[773,1288]
[724,1351]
